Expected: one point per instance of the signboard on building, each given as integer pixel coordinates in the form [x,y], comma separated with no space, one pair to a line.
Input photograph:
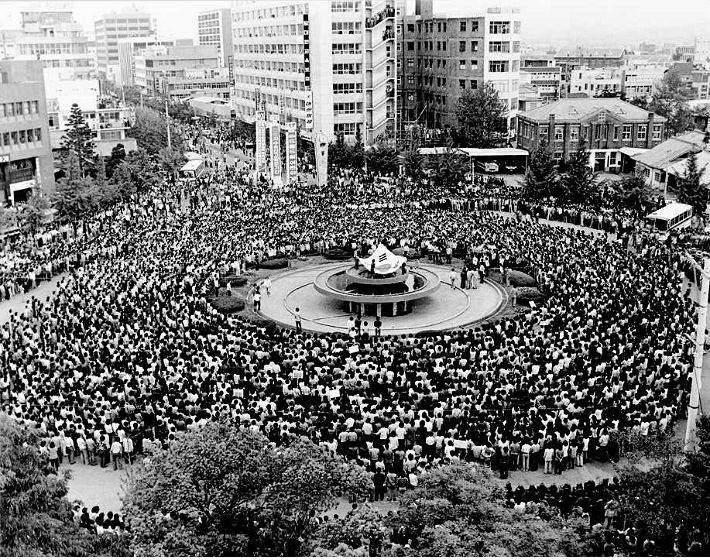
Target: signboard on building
[291,157]
[309,111]
[260,155]
[275,141]
[321,148]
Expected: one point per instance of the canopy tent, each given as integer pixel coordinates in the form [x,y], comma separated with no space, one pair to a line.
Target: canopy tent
[385,261]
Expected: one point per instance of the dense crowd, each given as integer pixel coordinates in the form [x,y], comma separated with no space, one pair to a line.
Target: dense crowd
[128,352]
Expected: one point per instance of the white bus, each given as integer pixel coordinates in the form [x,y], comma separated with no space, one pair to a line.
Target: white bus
[672,216]
[192,170]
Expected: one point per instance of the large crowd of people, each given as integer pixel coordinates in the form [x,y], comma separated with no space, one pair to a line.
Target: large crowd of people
[127,353]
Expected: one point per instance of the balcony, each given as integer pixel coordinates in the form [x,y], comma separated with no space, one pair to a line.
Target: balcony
[388,34]
[379,17]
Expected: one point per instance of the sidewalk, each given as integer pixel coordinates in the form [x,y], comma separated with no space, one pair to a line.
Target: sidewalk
[17,303]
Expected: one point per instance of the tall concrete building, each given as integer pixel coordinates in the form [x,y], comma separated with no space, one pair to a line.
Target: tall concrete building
[329,66]
[110,29]
[55,39]
[25,150]
[181,71]
[570,60]
[442,55]
[131,47]
[214,28]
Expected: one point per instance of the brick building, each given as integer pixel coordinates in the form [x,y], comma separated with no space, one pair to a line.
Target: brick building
[605,125]
[440,57]
[570,60]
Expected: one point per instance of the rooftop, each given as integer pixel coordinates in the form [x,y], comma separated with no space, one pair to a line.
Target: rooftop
[590,53]
[576,109]
[670,151]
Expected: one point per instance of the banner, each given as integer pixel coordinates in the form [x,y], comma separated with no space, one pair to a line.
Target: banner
[275,142]
[291,156]
[260,155]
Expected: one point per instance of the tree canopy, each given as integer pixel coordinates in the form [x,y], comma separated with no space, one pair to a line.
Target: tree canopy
[481,118]
[691,189]
[150,131]
[36,518]
[222,491]
[670,100]
[541,178]
[78,140]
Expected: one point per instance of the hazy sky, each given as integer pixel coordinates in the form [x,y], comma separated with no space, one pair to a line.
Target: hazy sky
[559,22]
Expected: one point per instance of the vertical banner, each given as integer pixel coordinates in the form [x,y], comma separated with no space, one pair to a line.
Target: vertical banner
[275,143]
[321,147]
[291,146]
[260,155]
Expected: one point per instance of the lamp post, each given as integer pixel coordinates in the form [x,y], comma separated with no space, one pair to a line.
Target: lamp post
[696,376]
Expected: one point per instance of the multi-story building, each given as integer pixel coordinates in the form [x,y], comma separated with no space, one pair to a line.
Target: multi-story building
[328,66]
[694,77]
[596,82]
[181,71]
[54,38]
[214,28]
[25,151]
[539,71]
[684,53]
[110,29]
[570,60]
[641,77]
[108,120]
[442,56]
[129,48]
[604,125]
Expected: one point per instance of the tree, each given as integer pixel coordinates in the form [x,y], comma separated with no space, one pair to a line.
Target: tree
[456,510]
[453,165]
[578,179]
[118,155]
[632,193]
[382,160]
[144,170]
[234,494]
[78,139]
[413,163]
[171,161]
[31,214]
[36,518]
[691,189]
[481,118]
[670,100]
[541,178]
[150,131]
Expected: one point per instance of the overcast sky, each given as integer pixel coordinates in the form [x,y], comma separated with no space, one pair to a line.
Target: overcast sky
[558,22]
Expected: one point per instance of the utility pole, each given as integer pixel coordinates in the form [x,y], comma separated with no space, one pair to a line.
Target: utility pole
[167,122]
[697,375]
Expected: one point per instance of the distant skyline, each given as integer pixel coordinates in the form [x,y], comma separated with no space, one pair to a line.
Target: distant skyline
[545,22]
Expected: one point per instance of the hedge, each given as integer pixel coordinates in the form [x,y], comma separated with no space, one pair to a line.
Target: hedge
[271,264]
[227,304]
[236,281]
[526,295]
[520,279]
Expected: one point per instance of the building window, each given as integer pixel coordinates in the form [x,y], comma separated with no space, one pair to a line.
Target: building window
[462,65]
[498,66]
[474,46]
[462,27]
[542,132]
[499,46]
[574,133]
[516,27]
[641,132]
[657,129]
[410,45]
[500,27]
[474,84]
[462,84]
[462,46]
[626,134]
[410,63]
[616,133]
[559,133]
[474,65]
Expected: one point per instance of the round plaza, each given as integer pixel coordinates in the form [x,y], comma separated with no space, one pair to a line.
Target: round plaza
[447,308]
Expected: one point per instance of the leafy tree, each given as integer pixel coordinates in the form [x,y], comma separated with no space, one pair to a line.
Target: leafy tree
[481,118]
[118,155]
[452,167]
[36,518]
[541,178]
[632,193]
[31,213]
[578,179]
[171,161]
[382,160]
[78,139]
[362,532]
[150,131]
[413,163]
[670,100]
[691,189]
[144,171]
[235,493]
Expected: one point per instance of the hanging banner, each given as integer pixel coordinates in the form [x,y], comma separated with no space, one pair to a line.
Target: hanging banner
[321,148]
[260,155]
[275,142]
[291,156]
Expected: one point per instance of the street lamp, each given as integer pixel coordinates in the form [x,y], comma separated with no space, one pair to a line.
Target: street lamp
[697,375]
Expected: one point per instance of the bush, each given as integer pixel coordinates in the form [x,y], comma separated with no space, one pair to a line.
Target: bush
[519,279]
[337,254]
[227,304]
[271,264]
[237,281]
[526,295]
